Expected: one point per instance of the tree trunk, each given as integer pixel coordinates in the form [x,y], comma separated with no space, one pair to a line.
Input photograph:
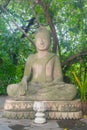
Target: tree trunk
[49,20]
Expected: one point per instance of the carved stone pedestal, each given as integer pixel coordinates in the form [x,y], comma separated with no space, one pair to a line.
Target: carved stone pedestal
[14,109]
[39,107]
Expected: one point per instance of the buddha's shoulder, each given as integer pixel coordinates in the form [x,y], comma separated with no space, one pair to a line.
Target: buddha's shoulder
[52,54]
[31,57]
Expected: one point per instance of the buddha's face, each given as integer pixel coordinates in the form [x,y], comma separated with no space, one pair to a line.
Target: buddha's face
[42,42]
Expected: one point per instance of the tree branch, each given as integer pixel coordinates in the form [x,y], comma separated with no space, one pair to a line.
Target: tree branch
[6,4]
[74,58]
[34,13]
[49,20]
[18,26]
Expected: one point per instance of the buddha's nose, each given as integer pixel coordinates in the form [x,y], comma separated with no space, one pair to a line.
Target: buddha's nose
[42,43]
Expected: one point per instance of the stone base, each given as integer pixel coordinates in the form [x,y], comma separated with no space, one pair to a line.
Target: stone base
[55,109]
[49,115]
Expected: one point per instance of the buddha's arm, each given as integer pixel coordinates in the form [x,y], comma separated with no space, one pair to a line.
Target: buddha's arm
[57,73]
[27,71]
[23,83]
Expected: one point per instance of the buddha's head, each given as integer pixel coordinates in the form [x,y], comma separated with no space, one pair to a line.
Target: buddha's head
[42,39]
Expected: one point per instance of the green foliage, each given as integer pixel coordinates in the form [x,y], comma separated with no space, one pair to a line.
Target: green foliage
[82,87]
[70,21]
[9,73]
[13,54]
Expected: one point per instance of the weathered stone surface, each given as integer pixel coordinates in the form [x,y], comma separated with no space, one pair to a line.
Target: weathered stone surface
[43,79]
[18,105]
[49,115]
[55,109]
[40,107]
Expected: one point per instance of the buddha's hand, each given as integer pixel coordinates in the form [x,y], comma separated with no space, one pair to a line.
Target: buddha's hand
[22,88]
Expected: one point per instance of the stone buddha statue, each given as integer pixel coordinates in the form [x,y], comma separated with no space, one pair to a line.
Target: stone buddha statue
[42,78]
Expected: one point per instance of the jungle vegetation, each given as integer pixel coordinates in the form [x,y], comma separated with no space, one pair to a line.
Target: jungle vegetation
[67,22]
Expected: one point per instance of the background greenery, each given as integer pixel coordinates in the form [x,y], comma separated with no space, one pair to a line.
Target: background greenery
[19,19]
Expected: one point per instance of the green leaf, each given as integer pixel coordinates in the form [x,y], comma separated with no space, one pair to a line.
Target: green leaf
[77,80]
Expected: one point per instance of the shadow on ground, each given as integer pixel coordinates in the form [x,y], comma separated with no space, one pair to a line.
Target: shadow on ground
[17,127]
[68,124]
[72,124]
